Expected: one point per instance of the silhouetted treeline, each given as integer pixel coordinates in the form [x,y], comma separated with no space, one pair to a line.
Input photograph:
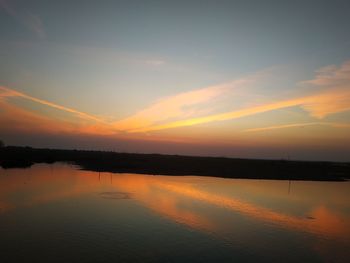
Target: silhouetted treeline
[177,165]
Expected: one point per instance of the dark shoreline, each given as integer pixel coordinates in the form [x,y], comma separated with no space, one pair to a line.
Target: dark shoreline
[158,164]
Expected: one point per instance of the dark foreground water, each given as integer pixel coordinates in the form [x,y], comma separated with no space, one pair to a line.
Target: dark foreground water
[57,213]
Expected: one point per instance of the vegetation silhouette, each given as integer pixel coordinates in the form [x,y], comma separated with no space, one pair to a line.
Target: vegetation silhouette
[158,164]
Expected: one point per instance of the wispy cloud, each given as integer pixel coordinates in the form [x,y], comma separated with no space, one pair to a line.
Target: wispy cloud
[332,96]
[26,18]
[331,76]
[180,106]
[15,118]
[300,125]
[6,92]
[319,105]
[168,108]
[327,102]
[334,83]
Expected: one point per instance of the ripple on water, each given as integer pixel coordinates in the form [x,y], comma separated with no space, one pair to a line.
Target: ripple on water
[115,195]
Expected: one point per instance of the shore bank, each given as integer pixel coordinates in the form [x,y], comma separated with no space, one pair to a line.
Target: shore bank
[158,164]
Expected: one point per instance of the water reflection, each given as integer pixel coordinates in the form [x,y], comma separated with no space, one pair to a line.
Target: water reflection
[222,208]
[115,195]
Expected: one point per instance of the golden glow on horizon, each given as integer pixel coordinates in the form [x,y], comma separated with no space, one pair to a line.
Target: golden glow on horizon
[319,105]
[331,96]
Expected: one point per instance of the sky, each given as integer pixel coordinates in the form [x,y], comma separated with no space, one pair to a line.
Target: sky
[246,79]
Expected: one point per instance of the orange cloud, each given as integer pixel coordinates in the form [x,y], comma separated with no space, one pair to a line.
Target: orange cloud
[15,118]
[182,105]
[331,76]
[6,92]
[294,125]
[184,109]
[333,96]
[319,105]
[328,102]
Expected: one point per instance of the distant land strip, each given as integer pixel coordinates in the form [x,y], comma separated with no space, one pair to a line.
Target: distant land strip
[159,164]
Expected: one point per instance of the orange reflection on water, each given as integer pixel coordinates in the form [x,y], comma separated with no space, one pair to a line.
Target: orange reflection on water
[43,184]
[149,191]
[321,220]
[185,200]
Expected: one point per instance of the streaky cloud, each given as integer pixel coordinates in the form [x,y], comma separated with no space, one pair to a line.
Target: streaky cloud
[319,106]
[296,125]
[180,106]
[332,96]
[185,109]
[6,92]
[14,118]
[331,75]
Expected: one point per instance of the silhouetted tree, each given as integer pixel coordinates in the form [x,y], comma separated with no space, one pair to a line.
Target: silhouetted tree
[2,144]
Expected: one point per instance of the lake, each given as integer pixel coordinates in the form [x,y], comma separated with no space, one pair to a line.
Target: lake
[58,213]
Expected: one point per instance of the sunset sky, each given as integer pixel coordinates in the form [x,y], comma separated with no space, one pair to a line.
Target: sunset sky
[250,79]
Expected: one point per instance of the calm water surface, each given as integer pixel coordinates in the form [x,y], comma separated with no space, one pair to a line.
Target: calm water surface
[57,213]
